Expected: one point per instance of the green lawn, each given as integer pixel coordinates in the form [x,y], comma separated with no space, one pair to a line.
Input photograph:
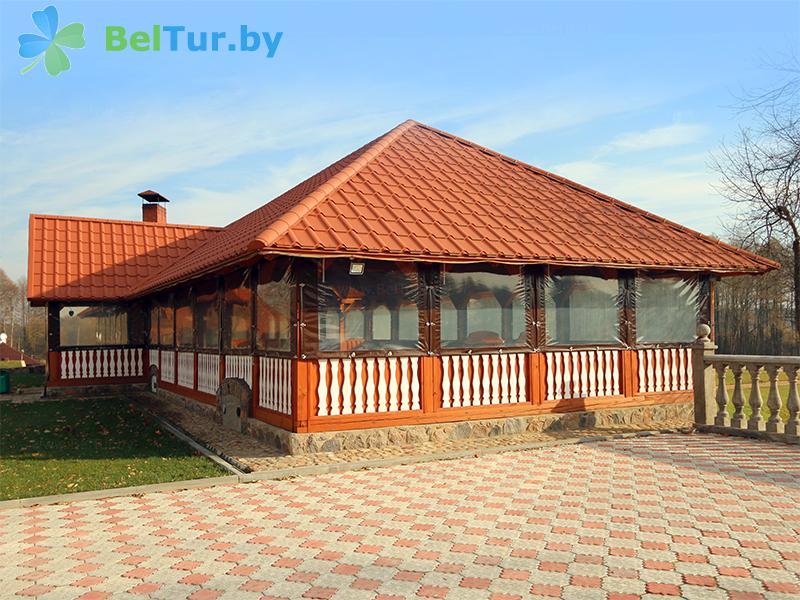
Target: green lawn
[79,445]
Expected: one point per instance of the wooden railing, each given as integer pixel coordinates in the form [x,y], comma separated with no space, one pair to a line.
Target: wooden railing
[737,404]
[275,384]
[483,379]
[664,369]
[100,364]
[583,374]
[349,386]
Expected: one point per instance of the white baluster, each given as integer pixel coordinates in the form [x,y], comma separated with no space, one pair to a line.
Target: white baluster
[523,385]
[495,379]
[642,366]
[446,392]
[610,374]
[347,388]
[468,400]
[475,362]
[486,395]
[415,400]
[359,364]
[456,381]
[513,383]
[393,387]
[659,370]
[591,357]
[554,375]
[371,390]
[336,401]
[615,373]
[650,373]
[674,384]
[405,386]
[64,366]
[577,392]
[584,375]
[567,377]
[504,378]
[689,374]
[382,396]
[287,386]
[322,388]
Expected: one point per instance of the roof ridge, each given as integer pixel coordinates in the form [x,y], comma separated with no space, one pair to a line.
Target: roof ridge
[281,225]
[122,221]
[600,195]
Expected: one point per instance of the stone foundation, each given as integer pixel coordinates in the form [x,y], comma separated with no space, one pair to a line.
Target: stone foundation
[654,416]
[645,417]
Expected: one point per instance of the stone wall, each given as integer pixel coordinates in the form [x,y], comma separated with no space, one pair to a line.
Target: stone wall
[647,417]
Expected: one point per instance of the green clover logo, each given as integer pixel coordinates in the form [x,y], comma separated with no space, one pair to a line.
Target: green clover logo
[32,45]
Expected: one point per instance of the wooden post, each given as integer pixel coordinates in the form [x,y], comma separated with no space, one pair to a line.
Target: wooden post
[537,372]
[429,382]
[705,406]
[302,396]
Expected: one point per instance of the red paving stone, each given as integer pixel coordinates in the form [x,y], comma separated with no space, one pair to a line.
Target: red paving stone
[657,515]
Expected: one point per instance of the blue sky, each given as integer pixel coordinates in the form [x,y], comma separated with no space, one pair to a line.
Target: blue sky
[629,98]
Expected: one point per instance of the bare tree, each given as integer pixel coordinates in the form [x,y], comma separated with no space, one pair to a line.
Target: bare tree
[760,172]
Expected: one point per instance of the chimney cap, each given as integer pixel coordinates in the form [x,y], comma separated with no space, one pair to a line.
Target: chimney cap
[151,196]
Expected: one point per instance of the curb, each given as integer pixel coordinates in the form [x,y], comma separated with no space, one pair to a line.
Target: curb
[294,473]
[136,490]
[231,465]
[783,438]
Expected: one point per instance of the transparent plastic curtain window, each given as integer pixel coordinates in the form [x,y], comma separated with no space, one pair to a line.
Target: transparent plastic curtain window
[667,309]
[236,310]
[482,307]
[99,325]
[206,315]
[274,305]
[583,309]
[374,311]
[184,320]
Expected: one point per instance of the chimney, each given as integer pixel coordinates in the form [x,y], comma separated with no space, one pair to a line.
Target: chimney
[153,209]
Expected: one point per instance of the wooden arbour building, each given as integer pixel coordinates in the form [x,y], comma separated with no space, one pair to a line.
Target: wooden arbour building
[420,279]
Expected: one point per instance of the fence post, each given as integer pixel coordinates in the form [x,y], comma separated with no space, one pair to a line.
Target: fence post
[705,405]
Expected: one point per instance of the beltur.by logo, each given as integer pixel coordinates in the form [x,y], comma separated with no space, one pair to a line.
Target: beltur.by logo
[171,38]
[176,37]
[48,45]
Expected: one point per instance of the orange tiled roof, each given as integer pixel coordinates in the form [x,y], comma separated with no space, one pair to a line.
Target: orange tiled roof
[420,193]
[75,259]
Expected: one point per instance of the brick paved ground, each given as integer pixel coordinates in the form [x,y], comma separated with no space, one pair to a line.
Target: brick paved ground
[697,516]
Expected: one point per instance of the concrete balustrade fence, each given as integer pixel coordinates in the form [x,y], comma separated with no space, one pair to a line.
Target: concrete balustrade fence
[720,409]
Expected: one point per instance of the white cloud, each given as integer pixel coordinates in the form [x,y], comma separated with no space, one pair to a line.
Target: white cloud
[684,195]
[677,134]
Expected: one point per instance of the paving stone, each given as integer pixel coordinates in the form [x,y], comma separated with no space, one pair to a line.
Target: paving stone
[653,517]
